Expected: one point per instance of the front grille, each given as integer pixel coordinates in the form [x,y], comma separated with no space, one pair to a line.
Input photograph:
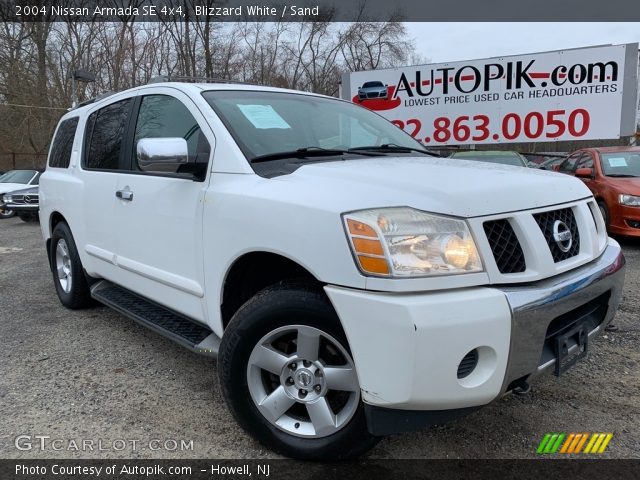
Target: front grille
[17,198]
[547,221]
[468,364]
[505,246]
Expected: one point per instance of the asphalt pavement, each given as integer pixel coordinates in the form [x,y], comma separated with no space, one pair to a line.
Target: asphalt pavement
[96,385]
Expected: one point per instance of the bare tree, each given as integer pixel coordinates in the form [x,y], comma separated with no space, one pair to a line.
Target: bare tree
[37,58]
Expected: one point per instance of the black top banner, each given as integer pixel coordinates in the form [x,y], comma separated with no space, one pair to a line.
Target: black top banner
[320,10]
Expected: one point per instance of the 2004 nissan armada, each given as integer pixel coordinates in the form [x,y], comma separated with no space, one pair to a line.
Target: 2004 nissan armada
[350,283]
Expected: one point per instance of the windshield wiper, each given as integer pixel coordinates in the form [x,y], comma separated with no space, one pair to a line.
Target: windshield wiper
[305,153]
[621,175]
[392,147]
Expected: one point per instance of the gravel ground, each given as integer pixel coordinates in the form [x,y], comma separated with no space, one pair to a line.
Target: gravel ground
[96,375]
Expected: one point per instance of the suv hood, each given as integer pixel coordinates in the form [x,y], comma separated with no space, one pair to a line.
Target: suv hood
[452,187]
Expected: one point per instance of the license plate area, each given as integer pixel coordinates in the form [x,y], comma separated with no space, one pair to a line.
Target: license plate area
[562,329]
[578,337]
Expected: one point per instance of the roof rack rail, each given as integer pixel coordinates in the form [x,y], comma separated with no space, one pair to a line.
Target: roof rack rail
[188,79]
[97,98]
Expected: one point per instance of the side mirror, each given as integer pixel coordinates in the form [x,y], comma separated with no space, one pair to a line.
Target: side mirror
[162,154]
[584,172]
[556,168]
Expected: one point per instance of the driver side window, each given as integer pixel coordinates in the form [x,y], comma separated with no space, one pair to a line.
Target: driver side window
[162,116]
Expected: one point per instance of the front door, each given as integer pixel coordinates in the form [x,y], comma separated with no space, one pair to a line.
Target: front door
[158,214]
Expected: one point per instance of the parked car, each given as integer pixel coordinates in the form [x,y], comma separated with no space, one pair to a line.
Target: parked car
[374,89]
[23,202]
[350,284]
[613,176]
[551,163]
[541,157]
[493,156]
[14,180]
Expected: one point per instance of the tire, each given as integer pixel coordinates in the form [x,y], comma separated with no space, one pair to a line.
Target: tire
[604,210]
[276,316]
[68,275]
[6,213]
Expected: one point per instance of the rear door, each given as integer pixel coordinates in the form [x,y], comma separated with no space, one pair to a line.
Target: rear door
[158,215]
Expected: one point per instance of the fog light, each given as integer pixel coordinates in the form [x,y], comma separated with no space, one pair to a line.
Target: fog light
[633,223]
[468,363]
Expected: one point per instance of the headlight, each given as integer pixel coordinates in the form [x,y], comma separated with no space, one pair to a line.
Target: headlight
[629,200]
[403,242]
[7,198]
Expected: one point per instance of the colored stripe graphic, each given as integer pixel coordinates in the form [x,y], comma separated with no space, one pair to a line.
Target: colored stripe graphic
[568,442]
[606,441]
[573,443]
[592,440]
[581,443]
[550,443]
[543,443]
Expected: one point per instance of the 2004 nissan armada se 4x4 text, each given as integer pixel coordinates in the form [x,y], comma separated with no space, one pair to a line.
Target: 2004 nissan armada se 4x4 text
[350,283]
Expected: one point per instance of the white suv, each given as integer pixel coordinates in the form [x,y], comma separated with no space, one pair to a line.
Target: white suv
[351,284]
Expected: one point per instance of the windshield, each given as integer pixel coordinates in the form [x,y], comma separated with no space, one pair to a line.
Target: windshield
[503,159]
[264,123]
[17,176]
[625,164]
[372,84]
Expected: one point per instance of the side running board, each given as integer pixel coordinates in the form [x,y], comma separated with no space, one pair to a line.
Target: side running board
[188,333]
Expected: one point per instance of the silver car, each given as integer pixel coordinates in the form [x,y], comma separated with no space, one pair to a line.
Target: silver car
[373,89]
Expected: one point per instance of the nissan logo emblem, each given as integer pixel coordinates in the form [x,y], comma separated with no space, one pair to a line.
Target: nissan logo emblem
[562,236]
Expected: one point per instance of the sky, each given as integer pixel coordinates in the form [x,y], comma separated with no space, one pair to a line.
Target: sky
[447,42]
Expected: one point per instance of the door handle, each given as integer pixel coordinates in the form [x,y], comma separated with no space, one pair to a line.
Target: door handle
[124,195]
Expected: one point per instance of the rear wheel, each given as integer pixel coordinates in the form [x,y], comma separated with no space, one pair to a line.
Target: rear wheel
[289,378]
[68,275]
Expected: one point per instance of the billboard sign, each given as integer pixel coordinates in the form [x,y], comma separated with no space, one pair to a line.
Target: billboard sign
[581,94]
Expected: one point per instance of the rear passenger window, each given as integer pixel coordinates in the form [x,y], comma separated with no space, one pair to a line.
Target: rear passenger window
[62,143]
[106,130]
[162,116]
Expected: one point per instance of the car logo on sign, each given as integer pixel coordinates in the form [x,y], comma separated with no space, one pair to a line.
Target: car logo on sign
[562,235]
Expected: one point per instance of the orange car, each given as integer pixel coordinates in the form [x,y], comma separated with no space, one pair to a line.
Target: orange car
[613,175]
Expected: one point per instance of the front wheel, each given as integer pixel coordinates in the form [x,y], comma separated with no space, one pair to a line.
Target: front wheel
[6,213]
[289,378]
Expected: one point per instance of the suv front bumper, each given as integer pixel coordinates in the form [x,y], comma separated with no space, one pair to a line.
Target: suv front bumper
[407,347]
